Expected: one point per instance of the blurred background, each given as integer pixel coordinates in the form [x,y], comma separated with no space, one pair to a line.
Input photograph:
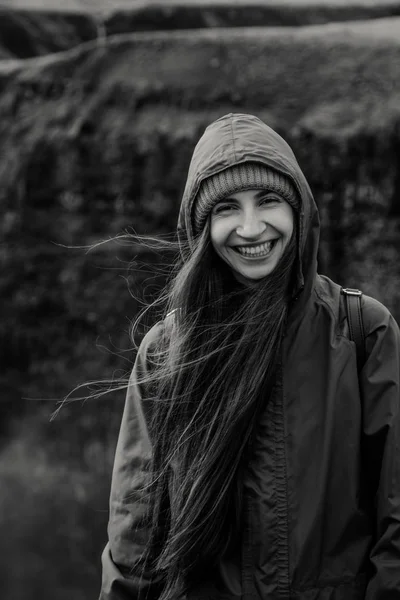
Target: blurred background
[101,104]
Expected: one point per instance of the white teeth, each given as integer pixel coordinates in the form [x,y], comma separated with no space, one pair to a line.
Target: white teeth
[260,250]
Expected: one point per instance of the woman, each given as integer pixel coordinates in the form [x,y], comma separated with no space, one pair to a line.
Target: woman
[254,461]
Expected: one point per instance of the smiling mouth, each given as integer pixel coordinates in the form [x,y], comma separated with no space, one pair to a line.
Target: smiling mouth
[259,251]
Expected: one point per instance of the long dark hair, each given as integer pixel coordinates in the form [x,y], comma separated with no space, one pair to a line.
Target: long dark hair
[211,372]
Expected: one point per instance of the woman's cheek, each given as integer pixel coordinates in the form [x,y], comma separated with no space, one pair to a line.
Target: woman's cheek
[220,229]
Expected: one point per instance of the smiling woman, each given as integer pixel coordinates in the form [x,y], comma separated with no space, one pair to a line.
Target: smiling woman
[250,231]
[254,460]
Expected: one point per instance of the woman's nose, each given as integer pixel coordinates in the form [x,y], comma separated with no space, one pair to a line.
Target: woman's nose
[251,226]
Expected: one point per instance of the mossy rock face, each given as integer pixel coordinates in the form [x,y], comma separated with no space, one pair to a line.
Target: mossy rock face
[200,15]
[98,141]
[24,34]
[26,31]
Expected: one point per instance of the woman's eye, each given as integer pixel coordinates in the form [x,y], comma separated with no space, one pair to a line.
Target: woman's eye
[223,208]
[269,199]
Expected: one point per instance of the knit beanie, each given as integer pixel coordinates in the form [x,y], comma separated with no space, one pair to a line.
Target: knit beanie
[244,176]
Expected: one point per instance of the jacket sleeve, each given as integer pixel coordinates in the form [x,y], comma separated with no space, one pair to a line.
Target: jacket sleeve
[128,525]
[380,388]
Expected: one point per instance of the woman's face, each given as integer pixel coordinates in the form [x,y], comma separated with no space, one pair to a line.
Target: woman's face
[250,231]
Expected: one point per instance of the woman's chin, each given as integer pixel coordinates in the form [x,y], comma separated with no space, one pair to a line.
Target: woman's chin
[247,279]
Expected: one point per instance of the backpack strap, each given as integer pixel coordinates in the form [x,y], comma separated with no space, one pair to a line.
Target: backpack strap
[356,326]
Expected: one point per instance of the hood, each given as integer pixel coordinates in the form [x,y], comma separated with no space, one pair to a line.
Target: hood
[238,138]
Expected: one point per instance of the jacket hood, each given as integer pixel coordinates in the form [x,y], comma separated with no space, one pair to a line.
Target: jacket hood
[238,138]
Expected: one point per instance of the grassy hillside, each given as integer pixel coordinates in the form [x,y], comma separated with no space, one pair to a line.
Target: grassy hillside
[74,6]
[31,32]
[26,34]
[197,15]
[97,140]
[109,6]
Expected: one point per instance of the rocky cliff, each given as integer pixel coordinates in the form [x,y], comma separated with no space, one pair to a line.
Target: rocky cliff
[37,27]
[97,140]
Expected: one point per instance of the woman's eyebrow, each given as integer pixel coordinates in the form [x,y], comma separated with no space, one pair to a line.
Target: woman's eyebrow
[257,195]
[228,199]
[266,191]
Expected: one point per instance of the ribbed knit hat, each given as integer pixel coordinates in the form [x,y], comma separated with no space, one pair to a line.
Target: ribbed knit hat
[245,176]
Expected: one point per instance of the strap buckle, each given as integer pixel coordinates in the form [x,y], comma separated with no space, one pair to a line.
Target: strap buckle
[352,292]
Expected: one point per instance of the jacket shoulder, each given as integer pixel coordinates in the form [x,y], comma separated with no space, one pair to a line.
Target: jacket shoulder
[375,314]
[146,348]
[151,341]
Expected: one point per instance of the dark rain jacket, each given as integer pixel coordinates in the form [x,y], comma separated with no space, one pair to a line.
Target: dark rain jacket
[322,489]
